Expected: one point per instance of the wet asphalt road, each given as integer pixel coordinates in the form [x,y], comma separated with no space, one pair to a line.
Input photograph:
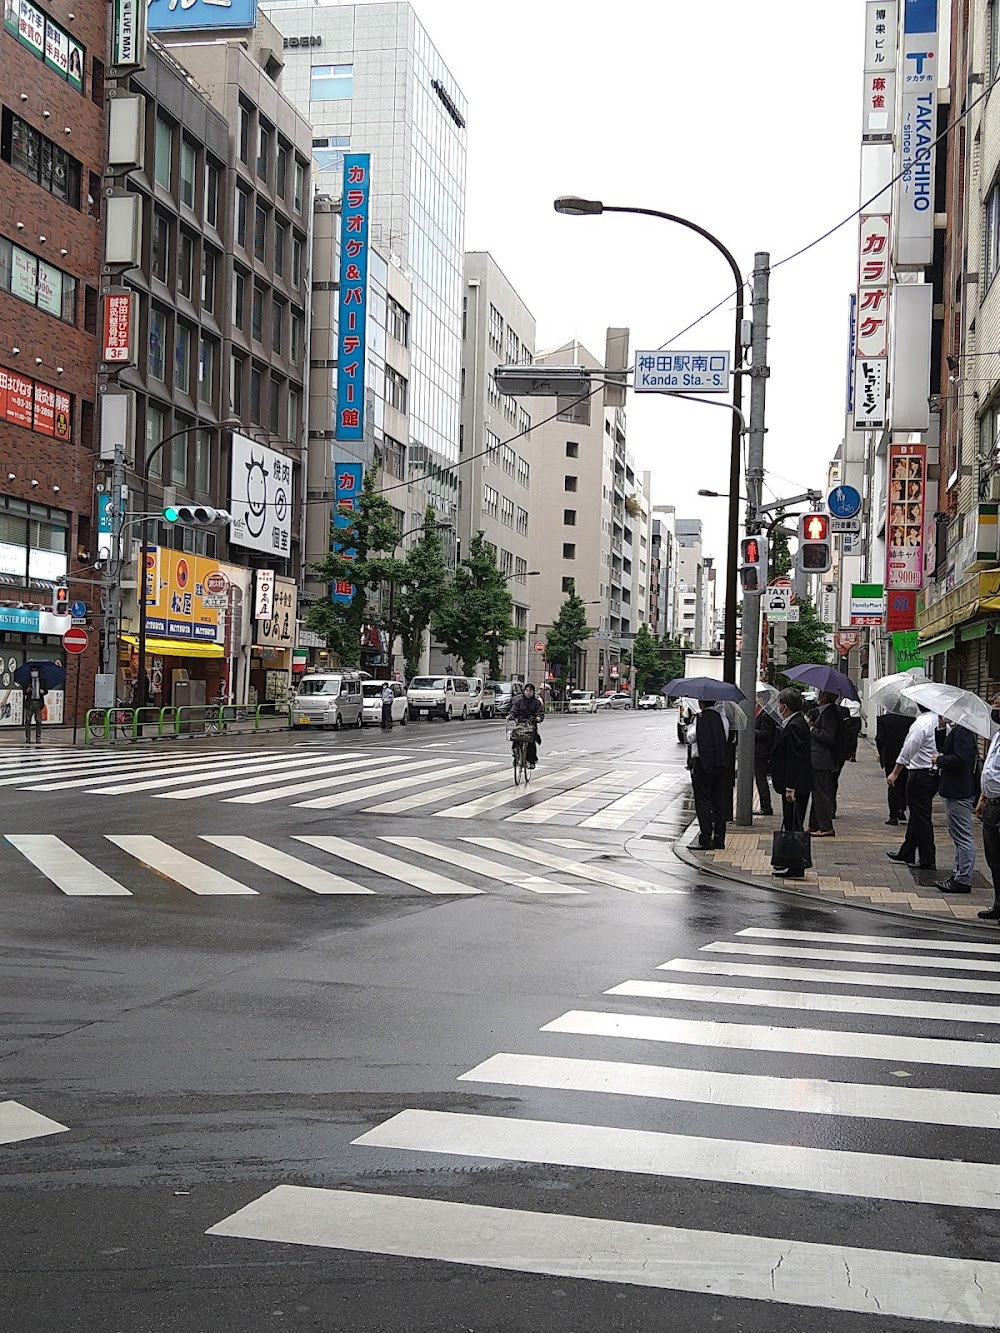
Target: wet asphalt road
[202,1050]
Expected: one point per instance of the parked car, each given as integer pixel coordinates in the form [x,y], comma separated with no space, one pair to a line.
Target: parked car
[650,701]
[685,716]
[329,699]
[371,693]
[582,701]
[615,699]
[504,694]
[482,697]
[438,696]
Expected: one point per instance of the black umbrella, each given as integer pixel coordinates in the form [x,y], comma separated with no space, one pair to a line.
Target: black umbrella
[51,674]
[823,677]
[703,687]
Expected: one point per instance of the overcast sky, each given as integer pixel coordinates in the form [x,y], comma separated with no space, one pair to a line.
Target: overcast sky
[743,117]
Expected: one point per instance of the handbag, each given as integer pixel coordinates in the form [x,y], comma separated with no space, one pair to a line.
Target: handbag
[791,847]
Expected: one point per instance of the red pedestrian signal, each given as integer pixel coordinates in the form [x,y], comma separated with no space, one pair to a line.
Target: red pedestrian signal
[817,527]
[815,545]
[753,563]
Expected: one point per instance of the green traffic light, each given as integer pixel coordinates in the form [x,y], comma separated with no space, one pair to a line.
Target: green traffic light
[171,514]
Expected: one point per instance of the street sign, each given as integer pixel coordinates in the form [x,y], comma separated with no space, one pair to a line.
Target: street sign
[844,502]
[215,600]
[79,620]
[789,615]
[867,604]
[539,647]
[217,581]
[76,640]
[681,372]
[78,609]
[778,597]
[845,525]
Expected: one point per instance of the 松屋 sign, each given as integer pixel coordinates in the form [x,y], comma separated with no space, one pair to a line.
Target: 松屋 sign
[350,418]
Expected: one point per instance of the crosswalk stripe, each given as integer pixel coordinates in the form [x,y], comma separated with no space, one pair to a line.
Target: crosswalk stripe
[316,784]
[71,873]
[116,772]
[439,794]
[713,1087]
[557,805]
[857,956]
[829,1277]
[884,941]
[497,799]
[837,1004]
[178,866]
[828,977]
[231,768]
[417,877]
[288,867]
[770,1165]
[19,1122]
[481,866]
[394,784]
[600,875]
[302,767]
[628,806]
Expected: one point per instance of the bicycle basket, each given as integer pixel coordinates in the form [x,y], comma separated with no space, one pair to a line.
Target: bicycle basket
[522,731]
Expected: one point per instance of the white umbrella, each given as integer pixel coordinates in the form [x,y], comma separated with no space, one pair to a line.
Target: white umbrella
[887,691]
[767,697]
[956,705]
[733,712]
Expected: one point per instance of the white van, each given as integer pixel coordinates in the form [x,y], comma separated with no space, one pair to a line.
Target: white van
[329,699]
[482,699]
[439,696]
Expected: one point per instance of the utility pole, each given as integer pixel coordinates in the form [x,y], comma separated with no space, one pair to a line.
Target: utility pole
[111,593]
[750,650]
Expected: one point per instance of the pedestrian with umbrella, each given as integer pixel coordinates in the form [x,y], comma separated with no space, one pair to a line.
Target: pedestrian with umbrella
[708,737]
[36,678]
[891,729]
[791,769]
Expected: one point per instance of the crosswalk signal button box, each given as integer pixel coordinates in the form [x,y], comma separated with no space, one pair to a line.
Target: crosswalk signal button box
[753,564]
[815,544]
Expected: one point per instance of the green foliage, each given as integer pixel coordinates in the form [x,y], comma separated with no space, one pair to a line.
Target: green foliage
[805,639]
[648,662]
[473,621]
[672,657]
[781,557]
[567,632]
[425,580]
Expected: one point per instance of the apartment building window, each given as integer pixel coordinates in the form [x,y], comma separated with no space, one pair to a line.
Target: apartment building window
[513,347]
[179,457]
[39,159]
[994,36]
[567,584]
[399,322]
[493,393]
[992,234]
[163,150]
[211,194]
[239,299]
[508,459]
[244,133]
[281,171]
[506,512]
[492,446]
[296,262]
[157,344]
[274,413]
[491,501]
[280,246]
[256,393]
[277,328]
[523,421]
[295,338]
[522,521]
[569,518]
[299,186]
[569,483]
[182,357]
[260,233]
[496,330]
[265,137]
[39,284]
[520,569]
[572,449]
[202,460]
[159,257]
[189,163]
[331,83]
[242,212]
[506,561]
[236,368]
[510,409]
[396,390]
[206,369]
[569,550]
[185,264]
[209,277]
[294,414]
[523,471]
[155,418]
[257,314]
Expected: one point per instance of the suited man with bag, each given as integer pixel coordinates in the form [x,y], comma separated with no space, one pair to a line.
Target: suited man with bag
[710,774]
[826,754]
[890,733]
[791,771]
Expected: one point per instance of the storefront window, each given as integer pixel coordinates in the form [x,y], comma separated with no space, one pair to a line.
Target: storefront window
[33,547]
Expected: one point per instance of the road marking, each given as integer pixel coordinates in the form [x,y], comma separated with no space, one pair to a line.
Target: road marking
[834,1004]
[557,805]
[19,1122]
[231,768]
[303,766]
[856,956]
[178,866]
[71,873]
[317,784]
[119,769]
[798,1041]
[438,794]
[573,844]
[712,1087]
[414,876]
[627,807]
[600,875]
[481,866]
[828,977]
[829,1277]
[376,789]
[494,801]
[644,1152]
[288,867]
[885,941]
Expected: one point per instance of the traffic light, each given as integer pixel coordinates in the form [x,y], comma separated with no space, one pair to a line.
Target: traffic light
[60,601]
[753,564]
[815,546]
[198,516]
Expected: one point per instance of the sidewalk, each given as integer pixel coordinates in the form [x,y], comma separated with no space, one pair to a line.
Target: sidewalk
[853,866]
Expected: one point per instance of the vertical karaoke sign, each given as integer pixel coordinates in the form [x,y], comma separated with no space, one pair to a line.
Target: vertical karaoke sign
[349,477]
[353,305]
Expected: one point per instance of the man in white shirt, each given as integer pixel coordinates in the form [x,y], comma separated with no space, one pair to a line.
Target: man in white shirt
[387,696]
[988,810]
[917,757]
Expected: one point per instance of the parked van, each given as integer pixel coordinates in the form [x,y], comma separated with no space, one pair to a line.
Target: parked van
[504,694]
[482,697]
[439,696]
[329,699]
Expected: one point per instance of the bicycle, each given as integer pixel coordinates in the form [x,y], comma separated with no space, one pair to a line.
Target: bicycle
[520,735]
[218,719]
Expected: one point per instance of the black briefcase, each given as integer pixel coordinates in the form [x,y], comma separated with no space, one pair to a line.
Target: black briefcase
[791,847]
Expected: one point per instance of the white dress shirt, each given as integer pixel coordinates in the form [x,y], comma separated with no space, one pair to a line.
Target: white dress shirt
[919,748]
[692,732]
[991,770]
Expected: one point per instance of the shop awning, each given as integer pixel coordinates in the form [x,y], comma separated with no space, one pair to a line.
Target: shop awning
[944,643]
[977,630]
[177,647]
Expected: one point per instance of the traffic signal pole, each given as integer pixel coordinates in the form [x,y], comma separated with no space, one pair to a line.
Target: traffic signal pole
[750,638]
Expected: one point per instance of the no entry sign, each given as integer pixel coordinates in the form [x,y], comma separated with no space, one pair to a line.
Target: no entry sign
[76,640]
[216,582]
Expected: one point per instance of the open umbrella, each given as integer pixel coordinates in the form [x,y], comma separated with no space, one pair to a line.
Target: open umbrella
[823,678]
[733,712]
[959,706]
[703,687]
[887,691]
[767,698]
[51,674]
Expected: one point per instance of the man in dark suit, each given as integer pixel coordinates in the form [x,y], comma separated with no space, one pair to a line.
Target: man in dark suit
[826,749]
[890,733]
[709,775]
[791,770]
[765,736]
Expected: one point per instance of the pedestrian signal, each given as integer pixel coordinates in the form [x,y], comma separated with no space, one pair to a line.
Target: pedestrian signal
[198,516]
[815,545]
[753,564]
[60,601]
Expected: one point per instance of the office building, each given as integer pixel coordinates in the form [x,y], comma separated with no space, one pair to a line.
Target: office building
[694,601]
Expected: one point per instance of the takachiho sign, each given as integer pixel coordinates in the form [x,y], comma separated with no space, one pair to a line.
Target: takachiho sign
[181,15]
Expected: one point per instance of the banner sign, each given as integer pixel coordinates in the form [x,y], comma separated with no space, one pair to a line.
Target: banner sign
[867,604]
[128,34]
[881,27]
[188,15]
[118,327]
[870,393]
[279,630]
[29,403]
[263,607]
[349,477]
[350,418]
[175,586]
[906,648]
[905,524]
[261,498]
[917,132]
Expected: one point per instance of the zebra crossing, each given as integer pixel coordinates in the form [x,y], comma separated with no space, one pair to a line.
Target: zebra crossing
[715,1119]
[139,866]
[569,791]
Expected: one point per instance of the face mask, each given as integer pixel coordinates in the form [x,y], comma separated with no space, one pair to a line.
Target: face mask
[995,715]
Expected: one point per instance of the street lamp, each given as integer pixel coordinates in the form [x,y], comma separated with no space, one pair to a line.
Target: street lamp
[573,206]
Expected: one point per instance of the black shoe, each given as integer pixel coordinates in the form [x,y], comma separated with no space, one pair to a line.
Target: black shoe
[768,811]
[785,872]
[893,822]
[931,865]
[953,886]
[898,856]
[719,846]
[991,914]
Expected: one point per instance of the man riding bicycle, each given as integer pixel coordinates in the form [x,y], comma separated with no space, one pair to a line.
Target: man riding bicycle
[527,708]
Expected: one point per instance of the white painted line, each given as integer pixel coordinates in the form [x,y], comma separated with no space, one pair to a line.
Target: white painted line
[857,956]
[643,1152]
[627,807]
[316,784]
[798,1041]
[288,867]
[19,1122]
[178,866]
[599,875]
[70,872]
[557,805]
[377,788]
[764,1092]
[437,795]
[481,866]
[561,777]
[826,976]
[832,1004]
[231,768]
[142,765]
[574,844]
[719,1264]
[883,941]
[305,768]
[415,876]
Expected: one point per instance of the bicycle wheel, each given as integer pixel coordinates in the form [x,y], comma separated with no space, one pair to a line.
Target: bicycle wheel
[519,768]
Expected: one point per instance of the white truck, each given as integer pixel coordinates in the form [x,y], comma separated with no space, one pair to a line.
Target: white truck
[699,664]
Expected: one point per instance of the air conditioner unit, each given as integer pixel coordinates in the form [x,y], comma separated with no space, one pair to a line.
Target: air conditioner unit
[994,487]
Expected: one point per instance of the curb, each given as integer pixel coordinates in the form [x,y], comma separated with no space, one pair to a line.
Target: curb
[684,853]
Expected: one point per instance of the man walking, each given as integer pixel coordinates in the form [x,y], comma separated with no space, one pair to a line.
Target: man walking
[34,702]
[765,736]
[890,733]
[957,763]
[708,735]
[387,697]
[825,752]
[917,757]
[988,810]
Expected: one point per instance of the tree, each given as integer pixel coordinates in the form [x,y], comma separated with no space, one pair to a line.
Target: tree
[672,656]
[473,620]
[806,641]
[425,580]
[647,661]
[357,558]
[568,630]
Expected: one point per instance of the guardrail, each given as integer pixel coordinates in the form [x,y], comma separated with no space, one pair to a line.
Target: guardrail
[132,724]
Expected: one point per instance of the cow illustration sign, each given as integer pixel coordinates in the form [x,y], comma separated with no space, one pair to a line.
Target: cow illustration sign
[261,506]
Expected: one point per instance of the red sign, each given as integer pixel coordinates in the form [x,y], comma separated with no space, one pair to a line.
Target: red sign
[117,339]
[76,640]
[539,647]
[216,582]
[32,404]
[845,640]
